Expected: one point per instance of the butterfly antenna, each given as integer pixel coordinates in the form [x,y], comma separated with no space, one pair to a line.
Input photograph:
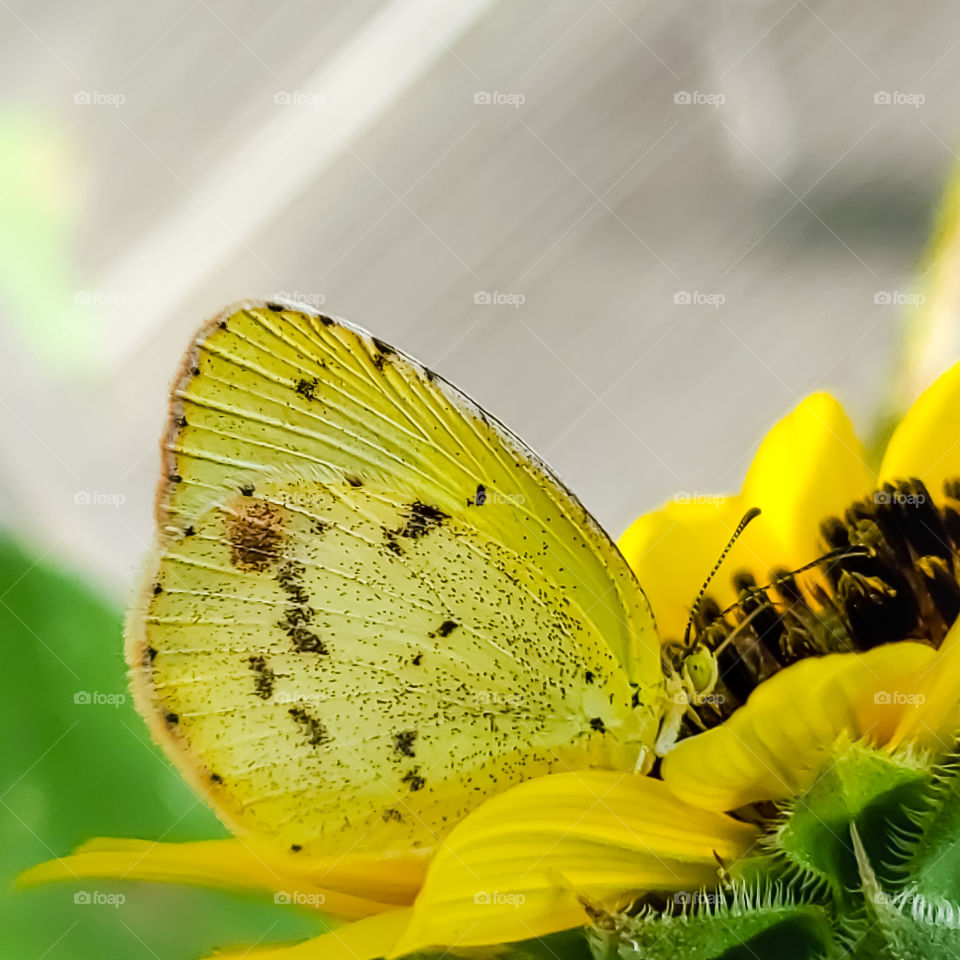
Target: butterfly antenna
[841,553]
[750,515]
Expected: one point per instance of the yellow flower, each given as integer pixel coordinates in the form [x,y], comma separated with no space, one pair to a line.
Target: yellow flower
[374,893]
[543,855]
[810,467]
[527,863]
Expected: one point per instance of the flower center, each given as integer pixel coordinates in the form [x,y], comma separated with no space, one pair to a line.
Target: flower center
[902,585]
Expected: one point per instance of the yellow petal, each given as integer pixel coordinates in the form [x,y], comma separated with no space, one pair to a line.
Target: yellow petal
[363,940]
[810,466]
[932,719]
[517,867]
[672,549]
[774,746]
[926,443]
[346,887]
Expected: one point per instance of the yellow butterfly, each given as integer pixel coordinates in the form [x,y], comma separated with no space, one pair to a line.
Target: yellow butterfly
[370,606]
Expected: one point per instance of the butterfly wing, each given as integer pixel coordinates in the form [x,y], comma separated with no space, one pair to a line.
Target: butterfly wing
[370,606]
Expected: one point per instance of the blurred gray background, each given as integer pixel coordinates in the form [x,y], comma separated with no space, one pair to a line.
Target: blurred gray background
[636,232]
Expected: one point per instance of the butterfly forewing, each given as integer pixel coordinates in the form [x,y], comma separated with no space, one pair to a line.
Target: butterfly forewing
[371,606]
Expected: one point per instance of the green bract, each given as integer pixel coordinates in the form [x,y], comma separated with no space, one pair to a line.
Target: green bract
[865,864]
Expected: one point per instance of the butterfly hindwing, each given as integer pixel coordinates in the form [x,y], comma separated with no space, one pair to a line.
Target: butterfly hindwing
[371,606]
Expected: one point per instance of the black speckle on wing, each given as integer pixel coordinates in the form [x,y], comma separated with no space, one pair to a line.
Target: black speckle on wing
[307,388]
[263,677]
[419,519]
[310,726]
[290,578]
[403,742]
[413,780]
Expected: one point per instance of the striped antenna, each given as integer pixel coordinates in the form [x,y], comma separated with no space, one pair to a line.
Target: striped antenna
[751,514]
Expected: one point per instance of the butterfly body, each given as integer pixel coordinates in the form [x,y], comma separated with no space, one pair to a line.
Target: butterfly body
[370,607]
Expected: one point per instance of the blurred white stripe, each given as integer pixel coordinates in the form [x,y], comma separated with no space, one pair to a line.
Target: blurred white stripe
[275,163]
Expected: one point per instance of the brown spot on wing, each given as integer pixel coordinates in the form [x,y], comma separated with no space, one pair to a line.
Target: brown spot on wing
[403,742]
[255,533]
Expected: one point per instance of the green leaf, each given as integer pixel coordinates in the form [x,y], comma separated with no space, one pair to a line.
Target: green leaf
[913,928]
[73,767]
[902,927]
[932,863]
[733,925]
[863,787]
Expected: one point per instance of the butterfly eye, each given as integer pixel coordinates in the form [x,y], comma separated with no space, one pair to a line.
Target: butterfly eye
[700,670]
